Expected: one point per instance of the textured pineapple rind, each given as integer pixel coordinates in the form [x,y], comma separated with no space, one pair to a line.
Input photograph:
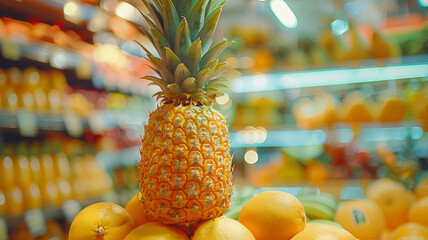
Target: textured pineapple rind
[185,164]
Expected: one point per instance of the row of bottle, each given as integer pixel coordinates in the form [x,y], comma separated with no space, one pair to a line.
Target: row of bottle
[34,175]
[54,231]
[38,90]
[32,89]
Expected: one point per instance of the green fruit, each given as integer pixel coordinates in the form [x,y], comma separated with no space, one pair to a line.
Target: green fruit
[322,198]
[317,210]
[326,222]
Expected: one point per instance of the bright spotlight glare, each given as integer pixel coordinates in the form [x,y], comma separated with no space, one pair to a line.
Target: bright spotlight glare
[339,27]
[260,81]
[423,3]
[222,99]
[126,11]
[283,12]
[72,9]
[251,157]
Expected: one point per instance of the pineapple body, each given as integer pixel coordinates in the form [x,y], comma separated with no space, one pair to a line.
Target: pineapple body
[185,164]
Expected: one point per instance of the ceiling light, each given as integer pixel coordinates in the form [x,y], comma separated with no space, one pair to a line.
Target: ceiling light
[339,26]
[423,3]
[283,12]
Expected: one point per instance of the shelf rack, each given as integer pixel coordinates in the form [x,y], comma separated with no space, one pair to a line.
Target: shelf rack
[293,137]
[97,122]
[394,69]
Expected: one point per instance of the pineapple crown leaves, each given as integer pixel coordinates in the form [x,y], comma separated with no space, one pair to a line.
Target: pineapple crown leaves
[181,32]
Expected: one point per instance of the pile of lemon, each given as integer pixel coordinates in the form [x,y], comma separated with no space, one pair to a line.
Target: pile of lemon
[390,212]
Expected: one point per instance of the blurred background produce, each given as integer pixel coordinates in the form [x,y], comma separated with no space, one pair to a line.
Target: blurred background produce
[328,94]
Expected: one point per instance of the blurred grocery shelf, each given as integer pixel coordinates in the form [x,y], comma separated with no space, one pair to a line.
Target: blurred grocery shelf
[409,68]
[29,123]
[43,52]
[253,137]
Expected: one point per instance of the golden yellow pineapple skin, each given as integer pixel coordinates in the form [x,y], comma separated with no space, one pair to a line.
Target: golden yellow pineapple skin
[185,164]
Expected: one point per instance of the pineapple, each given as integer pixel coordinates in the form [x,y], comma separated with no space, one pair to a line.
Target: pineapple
[185,157]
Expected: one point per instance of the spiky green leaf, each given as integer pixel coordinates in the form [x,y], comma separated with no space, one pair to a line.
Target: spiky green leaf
[161,68]
[172,60]
[193,55]
[183,40]
[214,51]
[154,14]
[156,81]
[196,18]
[181,73]
[215,86]
[148,35]
[160,41]
[202,77]
[218,80]
[144,49]
[152,25]
[187,7]
[213,6]
[171,20]
[211,64]
[189,85]
[211,92]
[207,31]
[179,5]
[221,67]
[198,94]
[174,89]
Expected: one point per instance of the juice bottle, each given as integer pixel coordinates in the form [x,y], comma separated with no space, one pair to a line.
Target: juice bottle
[10,96]
[33,79]
[57,91]
[2,203]
[22,166]
[47,164]
[79,189]
[3,85]
[7,173]
[50,194]
[15,201]
[61,163]
[65,190]
[36,171]
[32,197]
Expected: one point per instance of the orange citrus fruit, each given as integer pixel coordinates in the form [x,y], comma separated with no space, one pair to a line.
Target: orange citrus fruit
[386,235]
[421,189]
[362,218]
[394,200]
[273,215]
[380,184]
[156,231]
[410,230]
[136,209]
[316,172]
[419,212]
[413,238]
[222,228]
[101,221]
[315,231]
